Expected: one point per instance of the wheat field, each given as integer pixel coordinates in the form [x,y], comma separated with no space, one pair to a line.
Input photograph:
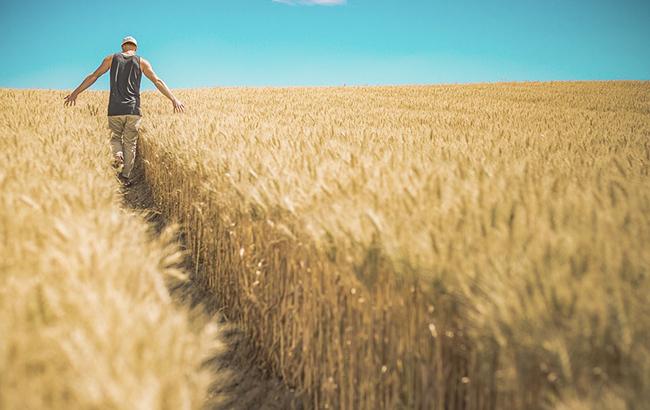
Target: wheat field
[86,320]
[432,247]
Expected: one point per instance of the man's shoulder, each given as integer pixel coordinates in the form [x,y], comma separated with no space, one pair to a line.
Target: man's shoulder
[144,62]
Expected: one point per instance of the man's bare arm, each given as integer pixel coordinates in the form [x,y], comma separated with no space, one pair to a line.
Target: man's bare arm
[71,99]
[160,85]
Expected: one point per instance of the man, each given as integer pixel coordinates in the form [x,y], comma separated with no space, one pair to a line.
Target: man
[124,103]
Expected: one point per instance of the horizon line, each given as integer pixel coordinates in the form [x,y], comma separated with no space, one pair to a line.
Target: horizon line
[356,85]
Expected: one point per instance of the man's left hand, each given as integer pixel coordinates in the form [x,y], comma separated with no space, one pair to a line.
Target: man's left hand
[178,105]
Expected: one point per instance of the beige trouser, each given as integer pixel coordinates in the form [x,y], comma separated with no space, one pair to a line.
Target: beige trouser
[124,139]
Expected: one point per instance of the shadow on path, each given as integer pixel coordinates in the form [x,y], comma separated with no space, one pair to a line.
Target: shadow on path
[239,383]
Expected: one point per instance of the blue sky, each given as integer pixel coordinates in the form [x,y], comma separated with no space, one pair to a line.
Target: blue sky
[54,44]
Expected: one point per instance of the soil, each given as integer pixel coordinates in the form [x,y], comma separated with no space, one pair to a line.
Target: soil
[239,381]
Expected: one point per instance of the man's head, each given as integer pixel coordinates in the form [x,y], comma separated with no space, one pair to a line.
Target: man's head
[129,43]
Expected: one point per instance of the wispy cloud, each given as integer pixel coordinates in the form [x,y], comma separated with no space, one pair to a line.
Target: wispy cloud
[312,2]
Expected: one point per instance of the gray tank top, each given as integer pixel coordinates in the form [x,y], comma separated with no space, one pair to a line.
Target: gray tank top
[125,85]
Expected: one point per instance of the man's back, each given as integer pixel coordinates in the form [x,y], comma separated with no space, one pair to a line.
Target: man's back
[126,74]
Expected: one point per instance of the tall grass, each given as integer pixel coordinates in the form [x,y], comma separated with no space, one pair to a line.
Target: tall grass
[86,321]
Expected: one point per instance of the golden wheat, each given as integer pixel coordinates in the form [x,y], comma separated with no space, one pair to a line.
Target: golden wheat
[423,247]
[471,247]
[86,321]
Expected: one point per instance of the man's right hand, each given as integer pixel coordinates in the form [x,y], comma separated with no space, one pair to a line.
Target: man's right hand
[70,100]
[178,105]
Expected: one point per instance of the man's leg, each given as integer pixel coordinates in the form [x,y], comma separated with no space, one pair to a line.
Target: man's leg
[116,125]
[130,142]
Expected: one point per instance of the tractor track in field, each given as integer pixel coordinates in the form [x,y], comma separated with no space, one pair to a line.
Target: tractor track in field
[238,382]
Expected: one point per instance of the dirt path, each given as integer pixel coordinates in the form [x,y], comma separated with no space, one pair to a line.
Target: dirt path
[237,378]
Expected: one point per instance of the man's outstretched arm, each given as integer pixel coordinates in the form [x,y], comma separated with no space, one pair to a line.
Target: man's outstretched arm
[71,99]
[160,85]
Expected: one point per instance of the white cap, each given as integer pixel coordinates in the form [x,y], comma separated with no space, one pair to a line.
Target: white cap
[129,39]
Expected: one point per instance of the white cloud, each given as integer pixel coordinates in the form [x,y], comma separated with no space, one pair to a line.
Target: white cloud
[312,2]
